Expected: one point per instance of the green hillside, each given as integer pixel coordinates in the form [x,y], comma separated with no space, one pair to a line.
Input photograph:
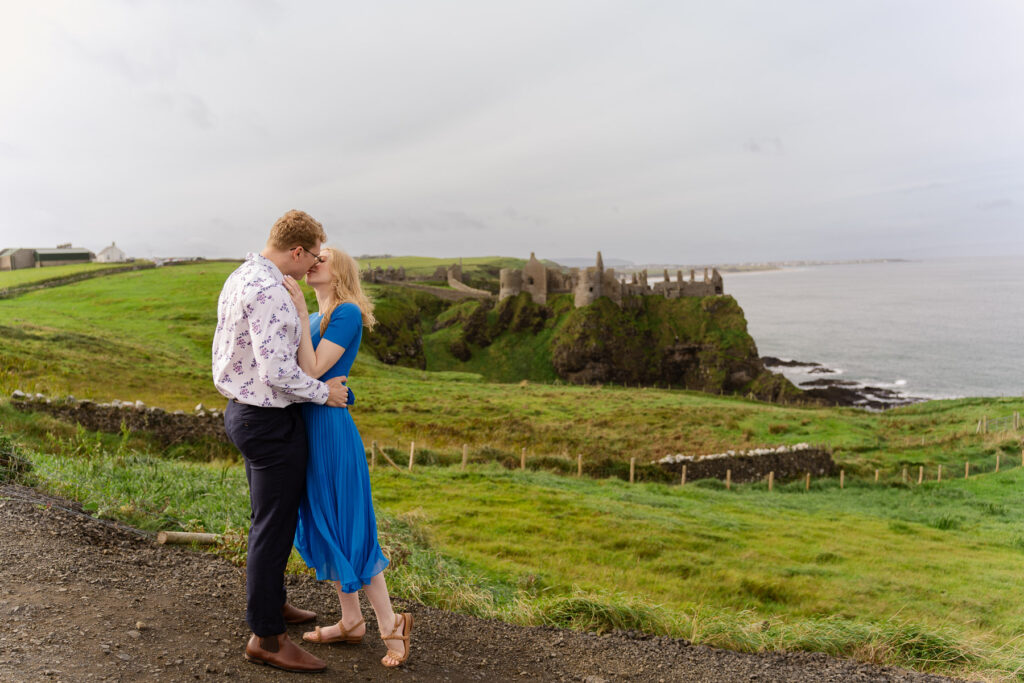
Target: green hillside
[31,276]
[920,576]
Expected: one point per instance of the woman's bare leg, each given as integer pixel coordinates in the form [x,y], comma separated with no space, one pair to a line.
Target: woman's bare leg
[377,592]
[351,614]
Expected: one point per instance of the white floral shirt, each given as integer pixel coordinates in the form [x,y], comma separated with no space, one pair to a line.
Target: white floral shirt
[256,343]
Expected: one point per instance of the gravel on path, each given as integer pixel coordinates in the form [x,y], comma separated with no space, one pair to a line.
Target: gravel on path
[83,599]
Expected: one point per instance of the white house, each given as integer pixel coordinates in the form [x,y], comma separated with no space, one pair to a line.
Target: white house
[111,254]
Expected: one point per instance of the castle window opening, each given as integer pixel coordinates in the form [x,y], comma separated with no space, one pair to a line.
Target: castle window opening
[530,279]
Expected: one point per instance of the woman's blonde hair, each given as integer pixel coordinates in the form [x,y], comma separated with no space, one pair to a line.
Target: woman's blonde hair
[346,288]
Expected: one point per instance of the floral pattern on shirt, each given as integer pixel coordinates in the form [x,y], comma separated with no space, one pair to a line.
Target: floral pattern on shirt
[257,339]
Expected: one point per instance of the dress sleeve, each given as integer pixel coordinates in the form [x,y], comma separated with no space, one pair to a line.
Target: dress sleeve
[345,322]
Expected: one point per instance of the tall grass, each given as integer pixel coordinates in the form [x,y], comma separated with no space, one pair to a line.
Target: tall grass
[746,570]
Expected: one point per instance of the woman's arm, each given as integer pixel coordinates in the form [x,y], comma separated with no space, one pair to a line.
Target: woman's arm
[313,362]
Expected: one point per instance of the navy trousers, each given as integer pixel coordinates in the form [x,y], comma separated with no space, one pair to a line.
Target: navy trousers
[273,443]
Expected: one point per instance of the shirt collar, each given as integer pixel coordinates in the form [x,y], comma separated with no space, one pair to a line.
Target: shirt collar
[261,261]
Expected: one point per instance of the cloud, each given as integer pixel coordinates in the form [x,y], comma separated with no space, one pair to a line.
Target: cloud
[996,204]
[651,131]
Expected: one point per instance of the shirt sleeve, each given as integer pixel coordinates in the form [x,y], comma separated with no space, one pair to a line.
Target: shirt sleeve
[275,332]
[344,324]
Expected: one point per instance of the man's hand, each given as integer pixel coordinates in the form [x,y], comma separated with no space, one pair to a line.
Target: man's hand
[339,392]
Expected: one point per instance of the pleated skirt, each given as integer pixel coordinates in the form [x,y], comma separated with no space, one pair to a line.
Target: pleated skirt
[337,530]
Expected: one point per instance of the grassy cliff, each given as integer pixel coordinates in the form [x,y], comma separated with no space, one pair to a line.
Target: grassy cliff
[693,343]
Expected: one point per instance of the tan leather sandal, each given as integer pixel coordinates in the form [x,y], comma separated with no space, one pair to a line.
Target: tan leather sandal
[317,636]
[406,628]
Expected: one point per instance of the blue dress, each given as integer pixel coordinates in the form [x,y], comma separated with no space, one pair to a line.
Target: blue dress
[337,530]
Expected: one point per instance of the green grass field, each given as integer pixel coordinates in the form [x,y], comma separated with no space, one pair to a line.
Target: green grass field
[426,265]
[28,276]
[919,576]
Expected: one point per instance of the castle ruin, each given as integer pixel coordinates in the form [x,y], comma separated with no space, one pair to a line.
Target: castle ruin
[587,284]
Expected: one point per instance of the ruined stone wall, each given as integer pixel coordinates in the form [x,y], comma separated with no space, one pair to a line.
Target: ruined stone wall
[459,286]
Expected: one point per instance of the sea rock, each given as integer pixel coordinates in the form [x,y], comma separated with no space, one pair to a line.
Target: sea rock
[773,362]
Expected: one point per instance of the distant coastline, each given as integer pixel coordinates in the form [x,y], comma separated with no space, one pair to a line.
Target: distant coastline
[750,267]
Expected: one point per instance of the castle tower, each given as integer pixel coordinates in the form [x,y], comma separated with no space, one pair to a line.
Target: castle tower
[589,285]
[511,282]
[535,280]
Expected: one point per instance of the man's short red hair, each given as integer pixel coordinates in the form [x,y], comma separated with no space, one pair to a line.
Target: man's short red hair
[296,229]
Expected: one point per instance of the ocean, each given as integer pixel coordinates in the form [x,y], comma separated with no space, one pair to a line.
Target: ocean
[929,329]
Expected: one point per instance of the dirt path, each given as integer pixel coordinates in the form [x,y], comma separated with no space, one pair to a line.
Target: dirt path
[84,600]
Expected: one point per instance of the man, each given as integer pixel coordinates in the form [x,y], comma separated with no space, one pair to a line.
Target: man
[254,365]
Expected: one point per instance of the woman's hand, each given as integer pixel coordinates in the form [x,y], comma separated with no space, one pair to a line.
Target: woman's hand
[295,292]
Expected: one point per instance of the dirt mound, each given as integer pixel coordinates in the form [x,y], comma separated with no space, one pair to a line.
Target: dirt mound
[83,599]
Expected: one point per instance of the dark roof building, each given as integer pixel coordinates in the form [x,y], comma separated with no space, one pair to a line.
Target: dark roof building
[15,259]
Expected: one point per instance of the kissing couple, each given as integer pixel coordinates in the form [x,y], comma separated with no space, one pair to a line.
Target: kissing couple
[284,374]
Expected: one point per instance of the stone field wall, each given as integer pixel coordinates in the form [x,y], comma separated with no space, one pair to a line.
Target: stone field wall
[168,427]
[749,468]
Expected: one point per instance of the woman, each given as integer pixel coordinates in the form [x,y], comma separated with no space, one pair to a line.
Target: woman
[337,530]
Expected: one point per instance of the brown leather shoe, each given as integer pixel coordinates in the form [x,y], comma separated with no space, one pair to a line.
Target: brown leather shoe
[294,615]
[279,652]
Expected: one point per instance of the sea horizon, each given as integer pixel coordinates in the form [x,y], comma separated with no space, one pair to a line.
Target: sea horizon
[928,328]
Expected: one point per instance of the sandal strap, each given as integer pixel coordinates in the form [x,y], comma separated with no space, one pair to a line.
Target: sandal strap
[346,631]
[319,636]
[394,632]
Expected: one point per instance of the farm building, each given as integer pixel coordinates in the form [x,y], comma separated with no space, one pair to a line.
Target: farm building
[15,259]
[64,255]
[111,254]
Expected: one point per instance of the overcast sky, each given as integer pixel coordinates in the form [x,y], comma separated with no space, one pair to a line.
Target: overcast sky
[655,131]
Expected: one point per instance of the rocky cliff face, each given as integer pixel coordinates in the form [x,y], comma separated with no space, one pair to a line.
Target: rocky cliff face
[693,343]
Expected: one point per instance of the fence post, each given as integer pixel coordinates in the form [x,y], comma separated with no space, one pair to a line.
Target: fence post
[632,470]
[522,459]
[682,478]
[920,474]
[904,474]
[876,476]
[728,480]
[842,479]
[465,455]
[984,424]
[807,484]
[412,453]
[967,469]
[940,473]
[771,480]
[997,461]
[373,455]
[579,464]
